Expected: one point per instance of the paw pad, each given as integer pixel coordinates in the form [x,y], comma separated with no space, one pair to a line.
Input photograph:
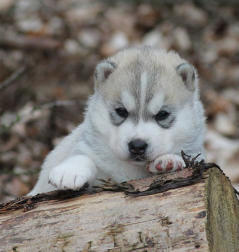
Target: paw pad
[166,163]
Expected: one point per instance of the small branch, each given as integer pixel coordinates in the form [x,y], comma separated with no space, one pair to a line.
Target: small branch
[61,103]
[29,42]
[12,78]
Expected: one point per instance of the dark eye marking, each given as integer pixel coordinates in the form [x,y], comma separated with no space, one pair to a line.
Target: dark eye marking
[122,112]
[162,115]
[165,118]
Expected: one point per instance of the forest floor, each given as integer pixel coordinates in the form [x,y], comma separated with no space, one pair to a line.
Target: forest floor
[48,52]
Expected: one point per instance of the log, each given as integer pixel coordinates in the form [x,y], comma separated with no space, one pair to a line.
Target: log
[202,216]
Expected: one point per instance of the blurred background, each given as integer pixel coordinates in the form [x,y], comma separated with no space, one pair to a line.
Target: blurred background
[48,52]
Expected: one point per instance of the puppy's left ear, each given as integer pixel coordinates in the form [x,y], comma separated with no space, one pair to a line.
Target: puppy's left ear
[103,70]
[188,74]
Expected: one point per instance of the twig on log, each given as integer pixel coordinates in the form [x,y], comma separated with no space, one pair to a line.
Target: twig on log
[190,175]
[28,202]
[197,169]
[13,77]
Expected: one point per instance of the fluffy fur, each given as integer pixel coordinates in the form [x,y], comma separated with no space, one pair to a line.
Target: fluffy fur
[143,94]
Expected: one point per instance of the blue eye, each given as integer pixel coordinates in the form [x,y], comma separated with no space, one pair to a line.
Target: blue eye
[162,115]
[122,112]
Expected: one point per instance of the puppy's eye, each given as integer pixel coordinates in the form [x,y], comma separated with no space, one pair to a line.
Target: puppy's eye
[162,115]
[122,112]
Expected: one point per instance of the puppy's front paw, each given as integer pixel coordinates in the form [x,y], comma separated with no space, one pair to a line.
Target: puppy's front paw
[72,174]
[166,163]
[63,177]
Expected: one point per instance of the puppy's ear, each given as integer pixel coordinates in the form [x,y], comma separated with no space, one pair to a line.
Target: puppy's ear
[188,74]
[103,70]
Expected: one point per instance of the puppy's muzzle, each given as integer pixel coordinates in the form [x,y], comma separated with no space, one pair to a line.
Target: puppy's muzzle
[137,149]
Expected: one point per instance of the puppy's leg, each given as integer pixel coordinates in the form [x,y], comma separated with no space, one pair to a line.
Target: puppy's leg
[166,163]
[73,173]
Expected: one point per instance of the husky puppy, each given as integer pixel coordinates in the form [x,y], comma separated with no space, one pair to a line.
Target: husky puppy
[145,109]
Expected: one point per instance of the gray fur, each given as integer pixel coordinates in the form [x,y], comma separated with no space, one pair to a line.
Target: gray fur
[188,75]
[134,70]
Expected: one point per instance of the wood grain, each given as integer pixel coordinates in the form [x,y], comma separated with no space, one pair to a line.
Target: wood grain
[110,222]
[189,218]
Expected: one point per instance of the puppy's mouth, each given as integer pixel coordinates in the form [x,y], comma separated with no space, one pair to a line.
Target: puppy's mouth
[138,158]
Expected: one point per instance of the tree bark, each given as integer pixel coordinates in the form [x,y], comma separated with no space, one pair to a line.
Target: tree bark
[203,216]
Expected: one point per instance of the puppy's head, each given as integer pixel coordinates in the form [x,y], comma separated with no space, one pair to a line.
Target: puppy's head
[146,103]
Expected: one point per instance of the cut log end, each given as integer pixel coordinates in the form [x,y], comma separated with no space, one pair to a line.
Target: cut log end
[222,213]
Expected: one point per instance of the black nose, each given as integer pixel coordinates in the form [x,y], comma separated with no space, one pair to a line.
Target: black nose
[137,147]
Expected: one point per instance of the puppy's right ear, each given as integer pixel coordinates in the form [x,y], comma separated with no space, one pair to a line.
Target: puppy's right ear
[188,74]
[103,70]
